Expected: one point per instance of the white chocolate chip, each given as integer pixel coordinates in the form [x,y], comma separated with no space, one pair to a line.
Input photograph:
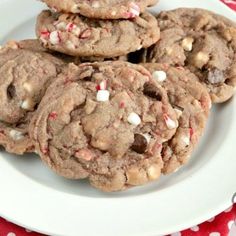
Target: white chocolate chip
[61,25]
[113,13]
[154,172]
[159,75]
[169,122]
[70,45]
[95,4]
[27,86]
[186,140]
[16,135]
[201,59]
[187,44]
[134,119]
[103,95]
[27,104]
[147,137]
[169,50]
[54,37]
[178,112]
[76,31]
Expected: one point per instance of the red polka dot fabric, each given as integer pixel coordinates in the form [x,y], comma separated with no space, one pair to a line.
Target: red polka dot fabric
[216,226]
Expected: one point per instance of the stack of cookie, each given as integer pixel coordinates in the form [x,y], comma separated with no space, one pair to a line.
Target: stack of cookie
[97,30]
[116,123]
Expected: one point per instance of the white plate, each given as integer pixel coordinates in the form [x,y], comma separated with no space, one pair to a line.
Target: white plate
[33,196]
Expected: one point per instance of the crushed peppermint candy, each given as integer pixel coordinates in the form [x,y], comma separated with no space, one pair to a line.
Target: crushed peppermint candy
[16,135]
[160,76]
[102,85]
[45,34]
[70,26]
[169,122]
[134,119]
[53,116]
[54,37]
[134,10]
[103,95]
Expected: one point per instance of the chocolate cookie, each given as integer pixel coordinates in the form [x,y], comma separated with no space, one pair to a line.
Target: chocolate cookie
[104,121]
[79,36]
[101,9]
[191,102]
[204,42]
[24,76]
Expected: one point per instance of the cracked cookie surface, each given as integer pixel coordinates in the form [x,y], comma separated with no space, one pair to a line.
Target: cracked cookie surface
[192,104]
[82,37]
[106,122]
[102,9]
[204,42]
[24,76]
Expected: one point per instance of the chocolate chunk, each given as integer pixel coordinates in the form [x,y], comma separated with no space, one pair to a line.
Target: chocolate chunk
[215,76]
[11,91]
[140,143]
[152,91]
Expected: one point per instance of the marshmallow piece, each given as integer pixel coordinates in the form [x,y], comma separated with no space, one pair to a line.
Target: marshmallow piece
[187,44]
[103,95]
[160,76]
[54,37]
[169,122]
[27,104]
[134,119]
[16,135]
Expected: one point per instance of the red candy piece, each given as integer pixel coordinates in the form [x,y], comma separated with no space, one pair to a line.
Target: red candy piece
[52,116]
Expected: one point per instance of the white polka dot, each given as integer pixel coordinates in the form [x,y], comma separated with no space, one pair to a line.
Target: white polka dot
[195,228]
[176,234]
[229,209]
[214,234]
[11,234]
[230,224]
[212,219]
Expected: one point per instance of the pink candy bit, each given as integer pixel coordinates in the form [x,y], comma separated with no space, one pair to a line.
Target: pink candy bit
[169,122]
[45,34]
[85,154]
[53,116]
[102,85]
[134,10]
[191,132]
[70,27]
[45,150]
[54,37]
[122,104]
[86,34]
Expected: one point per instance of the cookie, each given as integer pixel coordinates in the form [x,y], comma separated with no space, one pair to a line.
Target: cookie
[82,37]
[106,122]
[191,102]
[204,42]
[24,77]
[125,9]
